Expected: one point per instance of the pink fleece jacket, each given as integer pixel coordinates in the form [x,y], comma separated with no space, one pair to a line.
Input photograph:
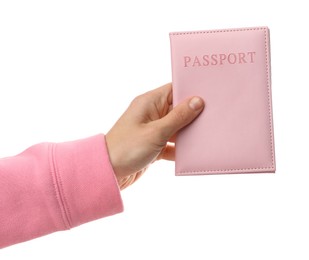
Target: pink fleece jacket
[56,186]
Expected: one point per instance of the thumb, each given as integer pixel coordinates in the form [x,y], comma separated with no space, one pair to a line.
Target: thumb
[180,116]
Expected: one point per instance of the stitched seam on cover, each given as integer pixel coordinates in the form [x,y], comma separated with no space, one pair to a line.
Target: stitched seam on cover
[58,189]
[268,91]
[227,170]
[269,106]
[219,31]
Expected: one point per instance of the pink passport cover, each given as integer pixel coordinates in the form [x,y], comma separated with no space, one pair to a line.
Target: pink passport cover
[230,70]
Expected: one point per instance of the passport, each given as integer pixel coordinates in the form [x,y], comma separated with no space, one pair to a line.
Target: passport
[230,69]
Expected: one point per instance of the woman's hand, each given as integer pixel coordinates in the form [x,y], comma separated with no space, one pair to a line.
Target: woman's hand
[144,133]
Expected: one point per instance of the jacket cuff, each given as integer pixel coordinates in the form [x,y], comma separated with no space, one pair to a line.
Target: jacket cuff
[85,183]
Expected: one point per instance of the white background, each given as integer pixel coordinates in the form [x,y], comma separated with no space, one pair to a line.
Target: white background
[68,69]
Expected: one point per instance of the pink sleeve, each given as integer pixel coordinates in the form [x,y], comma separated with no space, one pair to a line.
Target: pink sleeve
[56,186]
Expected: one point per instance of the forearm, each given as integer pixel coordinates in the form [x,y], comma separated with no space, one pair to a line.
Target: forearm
[51,187]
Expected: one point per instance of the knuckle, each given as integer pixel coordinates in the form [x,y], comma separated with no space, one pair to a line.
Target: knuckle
[180,116]
[136,100]
[139,100]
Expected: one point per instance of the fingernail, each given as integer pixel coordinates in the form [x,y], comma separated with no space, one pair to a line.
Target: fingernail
[196,103]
